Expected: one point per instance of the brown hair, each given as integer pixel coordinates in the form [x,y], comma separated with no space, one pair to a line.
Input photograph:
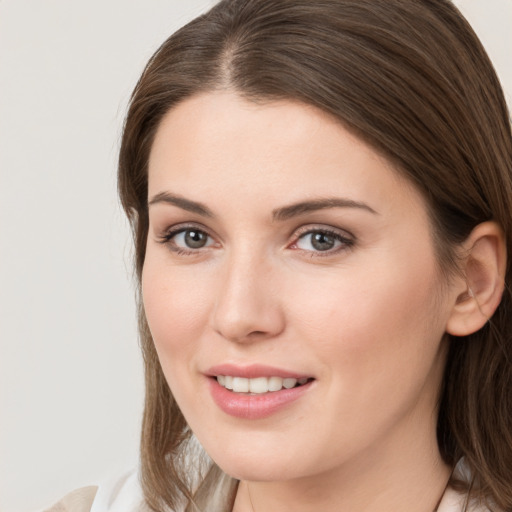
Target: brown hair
[410,78]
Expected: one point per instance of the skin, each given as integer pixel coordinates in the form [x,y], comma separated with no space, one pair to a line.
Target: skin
[366,318]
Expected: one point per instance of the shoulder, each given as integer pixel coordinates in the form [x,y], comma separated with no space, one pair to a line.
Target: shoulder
[79,500]
[459,501]
[454,501]
[120,494]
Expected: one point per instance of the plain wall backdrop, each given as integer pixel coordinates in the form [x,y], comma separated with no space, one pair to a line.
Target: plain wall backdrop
[70,372]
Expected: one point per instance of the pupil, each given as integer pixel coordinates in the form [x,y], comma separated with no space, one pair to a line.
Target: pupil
[195,239]
[322,241]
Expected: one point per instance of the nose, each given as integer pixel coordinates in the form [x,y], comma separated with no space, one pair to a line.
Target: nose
[248,306]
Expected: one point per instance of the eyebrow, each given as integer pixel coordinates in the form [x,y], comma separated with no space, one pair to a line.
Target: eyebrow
[181,202]
[279,214]
[296,209]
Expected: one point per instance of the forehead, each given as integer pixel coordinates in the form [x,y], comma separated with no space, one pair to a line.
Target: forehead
[219,145]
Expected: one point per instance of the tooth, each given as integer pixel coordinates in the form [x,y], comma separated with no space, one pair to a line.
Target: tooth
[240,385]
[275,383]
[289,383]
[258,385]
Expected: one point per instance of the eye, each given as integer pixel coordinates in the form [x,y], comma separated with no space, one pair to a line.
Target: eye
[187,239]
[322,240]
[191,239]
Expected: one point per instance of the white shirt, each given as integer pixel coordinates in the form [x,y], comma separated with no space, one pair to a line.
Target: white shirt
[125,495]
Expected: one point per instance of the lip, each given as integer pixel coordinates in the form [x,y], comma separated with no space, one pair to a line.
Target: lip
[254,406]
[252,371]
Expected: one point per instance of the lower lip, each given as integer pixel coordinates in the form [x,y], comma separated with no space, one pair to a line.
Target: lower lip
[257,406]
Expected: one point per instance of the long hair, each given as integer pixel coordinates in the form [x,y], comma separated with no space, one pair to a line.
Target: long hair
[411,79]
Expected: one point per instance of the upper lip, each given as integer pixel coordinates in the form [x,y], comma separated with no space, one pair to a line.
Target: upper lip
[252,371]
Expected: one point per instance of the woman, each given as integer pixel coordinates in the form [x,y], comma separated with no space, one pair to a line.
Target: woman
[320,194]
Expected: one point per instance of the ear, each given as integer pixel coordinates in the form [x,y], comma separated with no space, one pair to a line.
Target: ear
[484,262]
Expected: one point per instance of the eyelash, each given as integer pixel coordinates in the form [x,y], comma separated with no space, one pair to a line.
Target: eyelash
[346,242]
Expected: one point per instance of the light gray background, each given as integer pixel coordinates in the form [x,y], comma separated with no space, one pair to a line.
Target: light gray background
[70,373]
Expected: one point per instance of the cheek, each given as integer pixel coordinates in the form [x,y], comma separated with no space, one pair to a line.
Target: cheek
[176,310]
[376,336]
[385,320]
[370,303]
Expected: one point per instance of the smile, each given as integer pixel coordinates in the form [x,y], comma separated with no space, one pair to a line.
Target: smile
[259,385]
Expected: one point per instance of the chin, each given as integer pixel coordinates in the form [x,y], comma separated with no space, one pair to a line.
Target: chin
[246,470]
[260,465]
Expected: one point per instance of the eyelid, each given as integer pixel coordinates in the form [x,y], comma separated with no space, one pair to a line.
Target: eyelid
[308,228]
[323,228]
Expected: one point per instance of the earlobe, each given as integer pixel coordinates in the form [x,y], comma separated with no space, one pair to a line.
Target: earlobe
[483,268]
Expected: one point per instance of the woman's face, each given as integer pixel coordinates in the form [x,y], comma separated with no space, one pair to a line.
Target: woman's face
[288,259]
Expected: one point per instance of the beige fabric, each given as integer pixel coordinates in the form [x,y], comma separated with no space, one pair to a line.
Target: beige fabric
[79,500]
